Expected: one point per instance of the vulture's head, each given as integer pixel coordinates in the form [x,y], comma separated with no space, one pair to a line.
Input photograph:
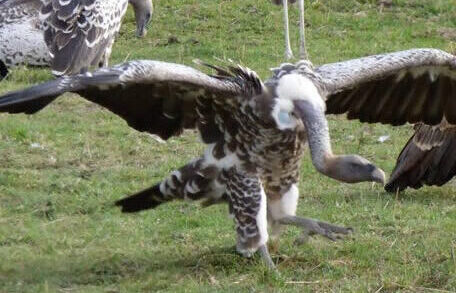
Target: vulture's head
[143,14]
[354,169]
[299,99]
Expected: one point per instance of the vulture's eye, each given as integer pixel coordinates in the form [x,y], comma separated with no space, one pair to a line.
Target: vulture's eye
[284,117]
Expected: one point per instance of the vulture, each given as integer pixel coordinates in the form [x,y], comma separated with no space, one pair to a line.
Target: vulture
[302,45]
[255,132]
[69,35]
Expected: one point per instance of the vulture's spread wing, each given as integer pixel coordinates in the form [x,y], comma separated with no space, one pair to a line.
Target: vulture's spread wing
[158,97]
[78,32]
[417,85]
[428,158]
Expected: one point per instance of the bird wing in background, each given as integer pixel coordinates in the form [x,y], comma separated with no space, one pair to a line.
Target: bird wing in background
[78,32]
[412,86]
[157,97]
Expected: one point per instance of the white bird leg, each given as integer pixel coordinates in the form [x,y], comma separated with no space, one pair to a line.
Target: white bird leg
[288,52]
[302,36]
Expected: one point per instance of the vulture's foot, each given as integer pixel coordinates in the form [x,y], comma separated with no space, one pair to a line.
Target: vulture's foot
[264,252]
[311,227]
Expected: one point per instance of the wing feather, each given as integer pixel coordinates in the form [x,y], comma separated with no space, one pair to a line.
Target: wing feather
[79,33]
[157,97]
[428,158]
[417,85]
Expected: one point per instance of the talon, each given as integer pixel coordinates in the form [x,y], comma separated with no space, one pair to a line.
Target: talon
[263,249]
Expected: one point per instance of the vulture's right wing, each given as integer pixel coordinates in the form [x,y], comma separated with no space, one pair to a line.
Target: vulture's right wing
[152,96]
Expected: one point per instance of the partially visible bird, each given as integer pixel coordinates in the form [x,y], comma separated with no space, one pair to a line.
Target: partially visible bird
[302,47]
[80,33]
[21,33]
[77,33]
[3,70]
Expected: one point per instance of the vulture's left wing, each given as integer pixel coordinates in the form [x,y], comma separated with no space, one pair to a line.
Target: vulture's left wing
[417,85]
[153,96]
[428,158]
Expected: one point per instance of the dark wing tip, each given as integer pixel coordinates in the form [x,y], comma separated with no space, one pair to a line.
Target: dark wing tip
[32,99]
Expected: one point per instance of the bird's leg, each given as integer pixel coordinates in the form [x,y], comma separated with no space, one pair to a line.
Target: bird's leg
[264,252]
[105,59]
[302,35]
[312,227]
[282,211]
[288,52]
[248,206]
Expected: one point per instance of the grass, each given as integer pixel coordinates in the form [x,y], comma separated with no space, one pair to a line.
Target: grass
[61,170]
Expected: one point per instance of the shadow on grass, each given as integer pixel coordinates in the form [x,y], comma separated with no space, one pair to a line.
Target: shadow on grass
[102,268]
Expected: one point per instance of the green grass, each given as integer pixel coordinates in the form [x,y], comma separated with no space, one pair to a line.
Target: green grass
[60,233]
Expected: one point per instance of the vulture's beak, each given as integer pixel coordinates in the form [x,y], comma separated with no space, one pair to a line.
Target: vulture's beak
[142,25]
[378,175]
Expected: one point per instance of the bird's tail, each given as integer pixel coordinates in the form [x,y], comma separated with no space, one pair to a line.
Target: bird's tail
[427,159]
[193,181]
[143,200]
[3,70]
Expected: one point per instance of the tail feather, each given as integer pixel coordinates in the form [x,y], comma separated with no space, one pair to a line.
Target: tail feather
[143,200]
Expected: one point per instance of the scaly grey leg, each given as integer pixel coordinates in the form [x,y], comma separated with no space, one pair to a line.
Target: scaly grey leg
[312,227]
[302,35]
[288,52]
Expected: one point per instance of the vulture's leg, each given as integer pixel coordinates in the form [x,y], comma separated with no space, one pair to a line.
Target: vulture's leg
[311,227]
[105,60]
[302,35]
[193,181]
[288,52]
[282,211]
[247,201]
